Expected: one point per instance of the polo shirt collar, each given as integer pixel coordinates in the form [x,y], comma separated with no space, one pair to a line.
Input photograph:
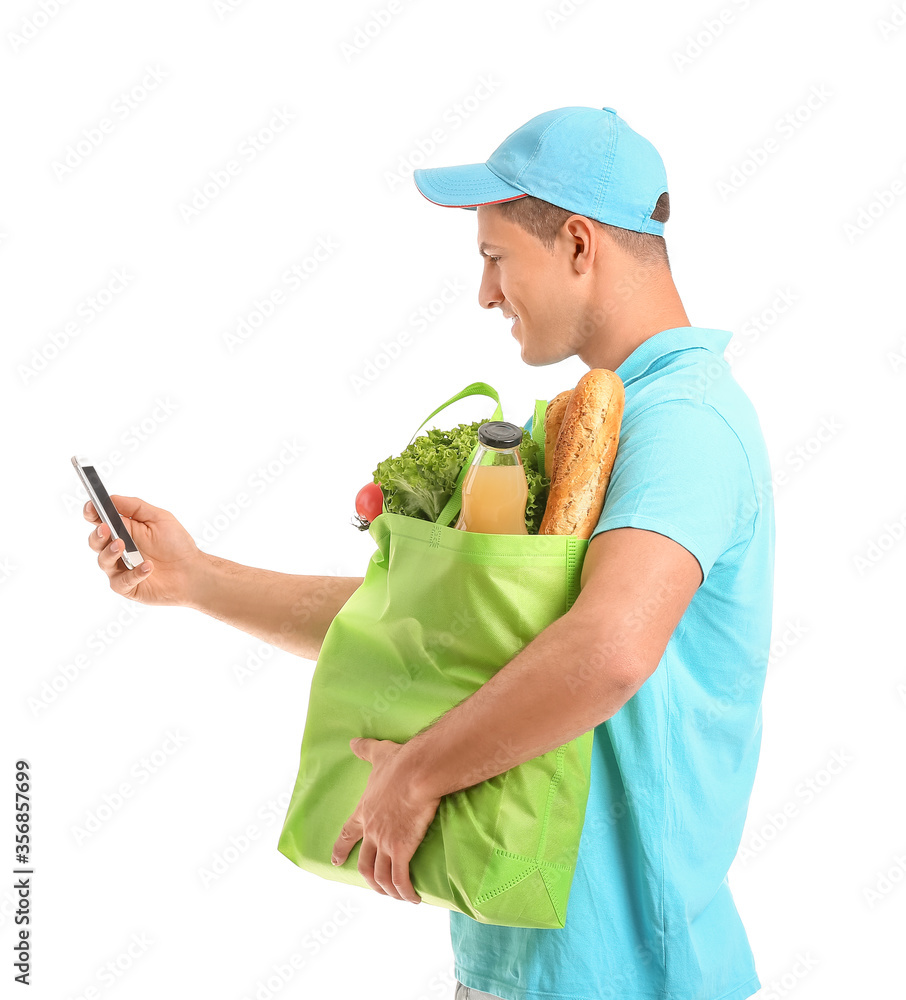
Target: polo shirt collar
[677,338]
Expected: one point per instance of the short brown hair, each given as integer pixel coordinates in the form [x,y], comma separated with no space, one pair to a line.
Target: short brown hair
[544,220]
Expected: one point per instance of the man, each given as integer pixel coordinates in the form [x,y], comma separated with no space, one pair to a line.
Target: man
[665,650]
[663,653]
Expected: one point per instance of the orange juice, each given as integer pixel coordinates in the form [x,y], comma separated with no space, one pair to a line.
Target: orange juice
[493,500]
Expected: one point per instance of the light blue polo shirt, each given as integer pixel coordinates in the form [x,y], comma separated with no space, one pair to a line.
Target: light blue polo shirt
[650,914]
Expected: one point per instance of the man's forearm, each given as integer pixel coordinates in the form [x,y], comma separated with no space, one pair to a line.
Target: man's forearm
[557,687]
[288,611]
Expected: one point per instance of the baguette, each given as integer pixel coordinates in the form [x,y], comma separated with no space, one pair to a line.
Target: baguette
[584,453]
[553,418]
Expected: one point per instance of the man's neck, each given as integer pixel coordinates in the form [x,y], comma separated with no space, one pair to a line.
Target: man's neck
[653,307]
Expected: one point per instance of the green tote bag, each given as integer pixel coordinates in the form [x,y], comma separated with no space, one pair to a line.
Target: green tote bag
[438,613]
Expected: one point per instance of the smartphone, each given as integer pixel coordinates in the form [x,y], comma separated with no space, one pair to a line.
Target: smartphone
[109,514]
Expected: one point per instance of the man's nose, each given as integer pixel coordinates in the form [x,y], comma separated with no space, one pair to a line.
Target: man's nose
[489,294]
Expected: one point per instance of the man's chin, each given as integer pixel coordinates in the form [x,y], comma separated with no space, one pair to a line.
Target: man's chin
[533,359]
[534,362]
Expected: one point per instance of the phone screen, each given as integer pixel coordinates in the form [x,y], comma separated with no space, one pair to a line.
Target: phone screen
[99,496]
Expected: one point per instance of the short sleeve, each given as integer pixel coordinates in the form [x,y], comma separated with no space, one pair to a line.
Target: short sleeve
[680,470]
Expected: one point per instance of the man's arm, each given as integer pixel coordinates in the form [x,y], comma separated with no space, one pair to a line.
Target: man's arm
[635,586]
[288,611]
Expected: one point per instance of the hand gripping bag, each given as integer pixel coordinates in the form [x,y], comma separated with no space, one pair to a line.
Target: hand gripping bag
[438,613]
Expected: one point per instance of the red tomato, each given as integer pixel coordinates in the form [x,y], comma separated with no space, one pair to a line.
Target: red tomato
[369,502]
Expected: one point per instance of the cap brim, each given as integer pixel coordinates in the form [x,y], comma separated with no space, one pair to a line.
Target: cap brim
[466,186]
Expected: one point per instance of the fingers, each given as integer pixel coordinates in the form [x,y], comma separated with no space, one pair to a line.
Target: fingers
[132,507]
[99,541]
[98,538]
[385,873]
[367,854]
[122,579]
[402,883]
[109,552]
[391,874]
[349,836]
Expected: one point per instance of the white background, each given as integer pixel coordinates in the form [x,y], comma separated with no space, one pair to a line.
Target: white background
[759,210]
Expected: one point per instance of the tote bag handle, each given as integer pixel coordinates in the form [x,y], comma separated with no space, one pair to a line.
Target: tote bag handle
[475,389]
[452,508]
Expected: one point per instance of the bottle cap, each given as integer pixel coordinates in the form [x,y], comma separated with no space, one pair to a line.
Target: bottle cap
[499,434]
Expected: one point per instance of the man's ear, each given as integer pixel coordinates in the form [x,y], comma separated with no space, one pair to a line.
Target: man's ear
[584,241]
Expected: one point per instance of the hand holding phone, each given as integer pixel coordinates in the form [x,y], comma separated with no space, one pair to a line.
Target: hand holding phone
[177,569]
[108,513]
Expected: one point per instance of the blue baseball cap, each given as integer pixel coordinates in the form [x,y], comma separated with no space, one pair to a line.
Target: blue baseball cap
[585,160]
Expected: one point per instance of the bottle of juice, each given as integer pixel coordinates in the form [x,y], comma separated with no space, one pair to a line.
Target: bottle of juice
[495,490]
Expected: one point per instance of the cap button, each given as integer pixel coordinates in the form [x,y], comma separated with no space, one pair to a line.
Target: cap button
[611,110]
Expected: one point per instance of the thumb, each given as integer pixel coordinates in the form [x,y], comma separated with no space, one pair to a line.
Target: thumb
[361,746]
[138,510]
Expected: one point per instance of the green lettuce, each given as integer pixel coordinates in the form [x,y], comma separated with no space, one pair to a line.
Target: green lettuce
[420,481]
